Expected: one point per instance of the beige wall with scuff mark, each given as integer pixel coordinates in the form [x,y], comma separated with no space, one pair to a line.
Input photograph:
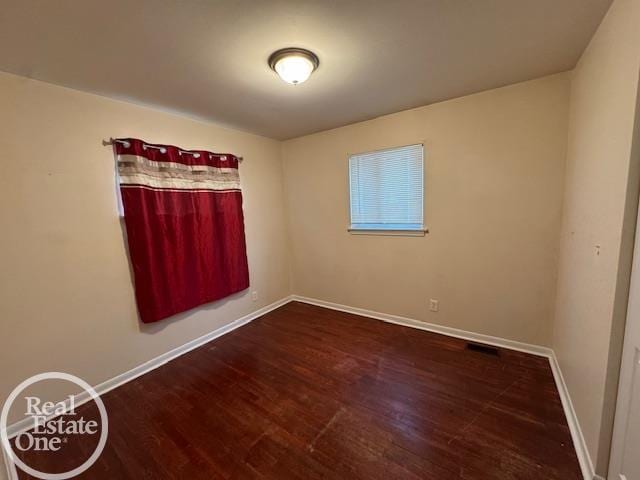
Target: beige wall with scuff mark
[600,204]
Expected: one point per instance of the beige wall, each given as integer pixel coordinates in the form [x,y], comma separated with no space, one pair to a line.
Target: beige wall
[599,209]
[66,298]
[496,199]
[494,179]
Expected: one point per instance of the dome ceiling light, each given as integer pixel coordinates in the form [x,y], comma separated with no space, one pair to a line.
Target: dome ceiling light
[294,65]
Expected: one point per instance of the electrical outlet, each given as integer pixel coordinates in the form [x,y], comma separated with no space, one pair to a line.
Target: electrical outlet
[254,295]
[434,305]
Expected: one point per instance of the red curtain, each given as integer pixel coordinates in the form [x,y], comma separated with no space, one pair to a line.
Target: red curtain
[185,227]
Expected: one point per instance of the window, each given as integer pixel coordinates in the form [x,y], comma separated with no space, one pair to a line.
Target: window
[387,188]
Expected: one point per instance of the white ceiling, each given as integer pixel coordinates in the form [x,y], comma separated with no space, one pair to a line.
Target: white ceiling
[208,59]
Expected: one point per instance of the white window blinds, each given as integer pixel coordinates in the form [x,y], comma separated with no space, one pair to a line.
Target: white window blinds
[387,188]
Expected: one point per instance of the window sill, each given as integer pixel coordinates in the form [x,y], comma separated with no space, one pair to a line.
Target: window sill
[389,233]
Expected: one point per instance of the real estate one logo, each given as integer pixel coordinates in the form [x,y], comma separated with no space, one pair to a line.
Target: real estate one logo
[52,424]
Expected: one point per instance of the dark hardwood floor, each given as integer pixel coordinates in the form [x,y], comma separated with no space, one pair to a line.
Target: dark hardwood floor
[306,393]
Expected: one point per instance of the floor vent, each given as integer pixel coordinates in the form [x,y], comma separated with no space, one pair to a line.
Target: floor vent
[486,349]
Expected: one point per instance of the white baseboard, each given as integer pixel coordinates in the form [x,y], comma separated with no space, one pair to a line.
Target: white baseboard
[431,327]
[104,387]
[586,464]
[580,446]
[12,473]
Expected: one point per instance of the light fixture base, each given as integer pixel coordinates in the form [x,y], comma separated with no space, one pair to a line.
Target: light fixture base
[285,52]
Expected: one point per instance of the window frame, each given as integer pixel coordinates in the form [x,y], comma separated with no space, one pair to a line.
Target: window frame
[409,232]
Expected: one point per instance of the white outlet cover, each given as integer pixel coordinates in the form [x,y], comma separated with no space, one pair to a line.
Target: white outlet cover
[434,305]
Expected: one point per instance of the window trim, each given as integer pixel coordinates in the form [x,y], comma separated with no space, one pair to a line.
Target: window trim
[409,232]
[390,233]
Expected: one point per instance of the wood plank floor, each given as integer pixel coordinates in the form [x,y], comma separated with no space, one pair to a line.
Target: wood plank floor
[307,393]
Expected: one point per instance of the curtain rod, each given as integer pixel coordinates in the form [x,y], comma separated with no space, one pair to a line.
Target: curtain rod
[113,141]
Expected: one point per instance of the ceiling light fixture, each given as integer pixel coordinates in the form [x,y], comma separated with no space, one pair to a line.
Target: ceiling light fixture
[294,65]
